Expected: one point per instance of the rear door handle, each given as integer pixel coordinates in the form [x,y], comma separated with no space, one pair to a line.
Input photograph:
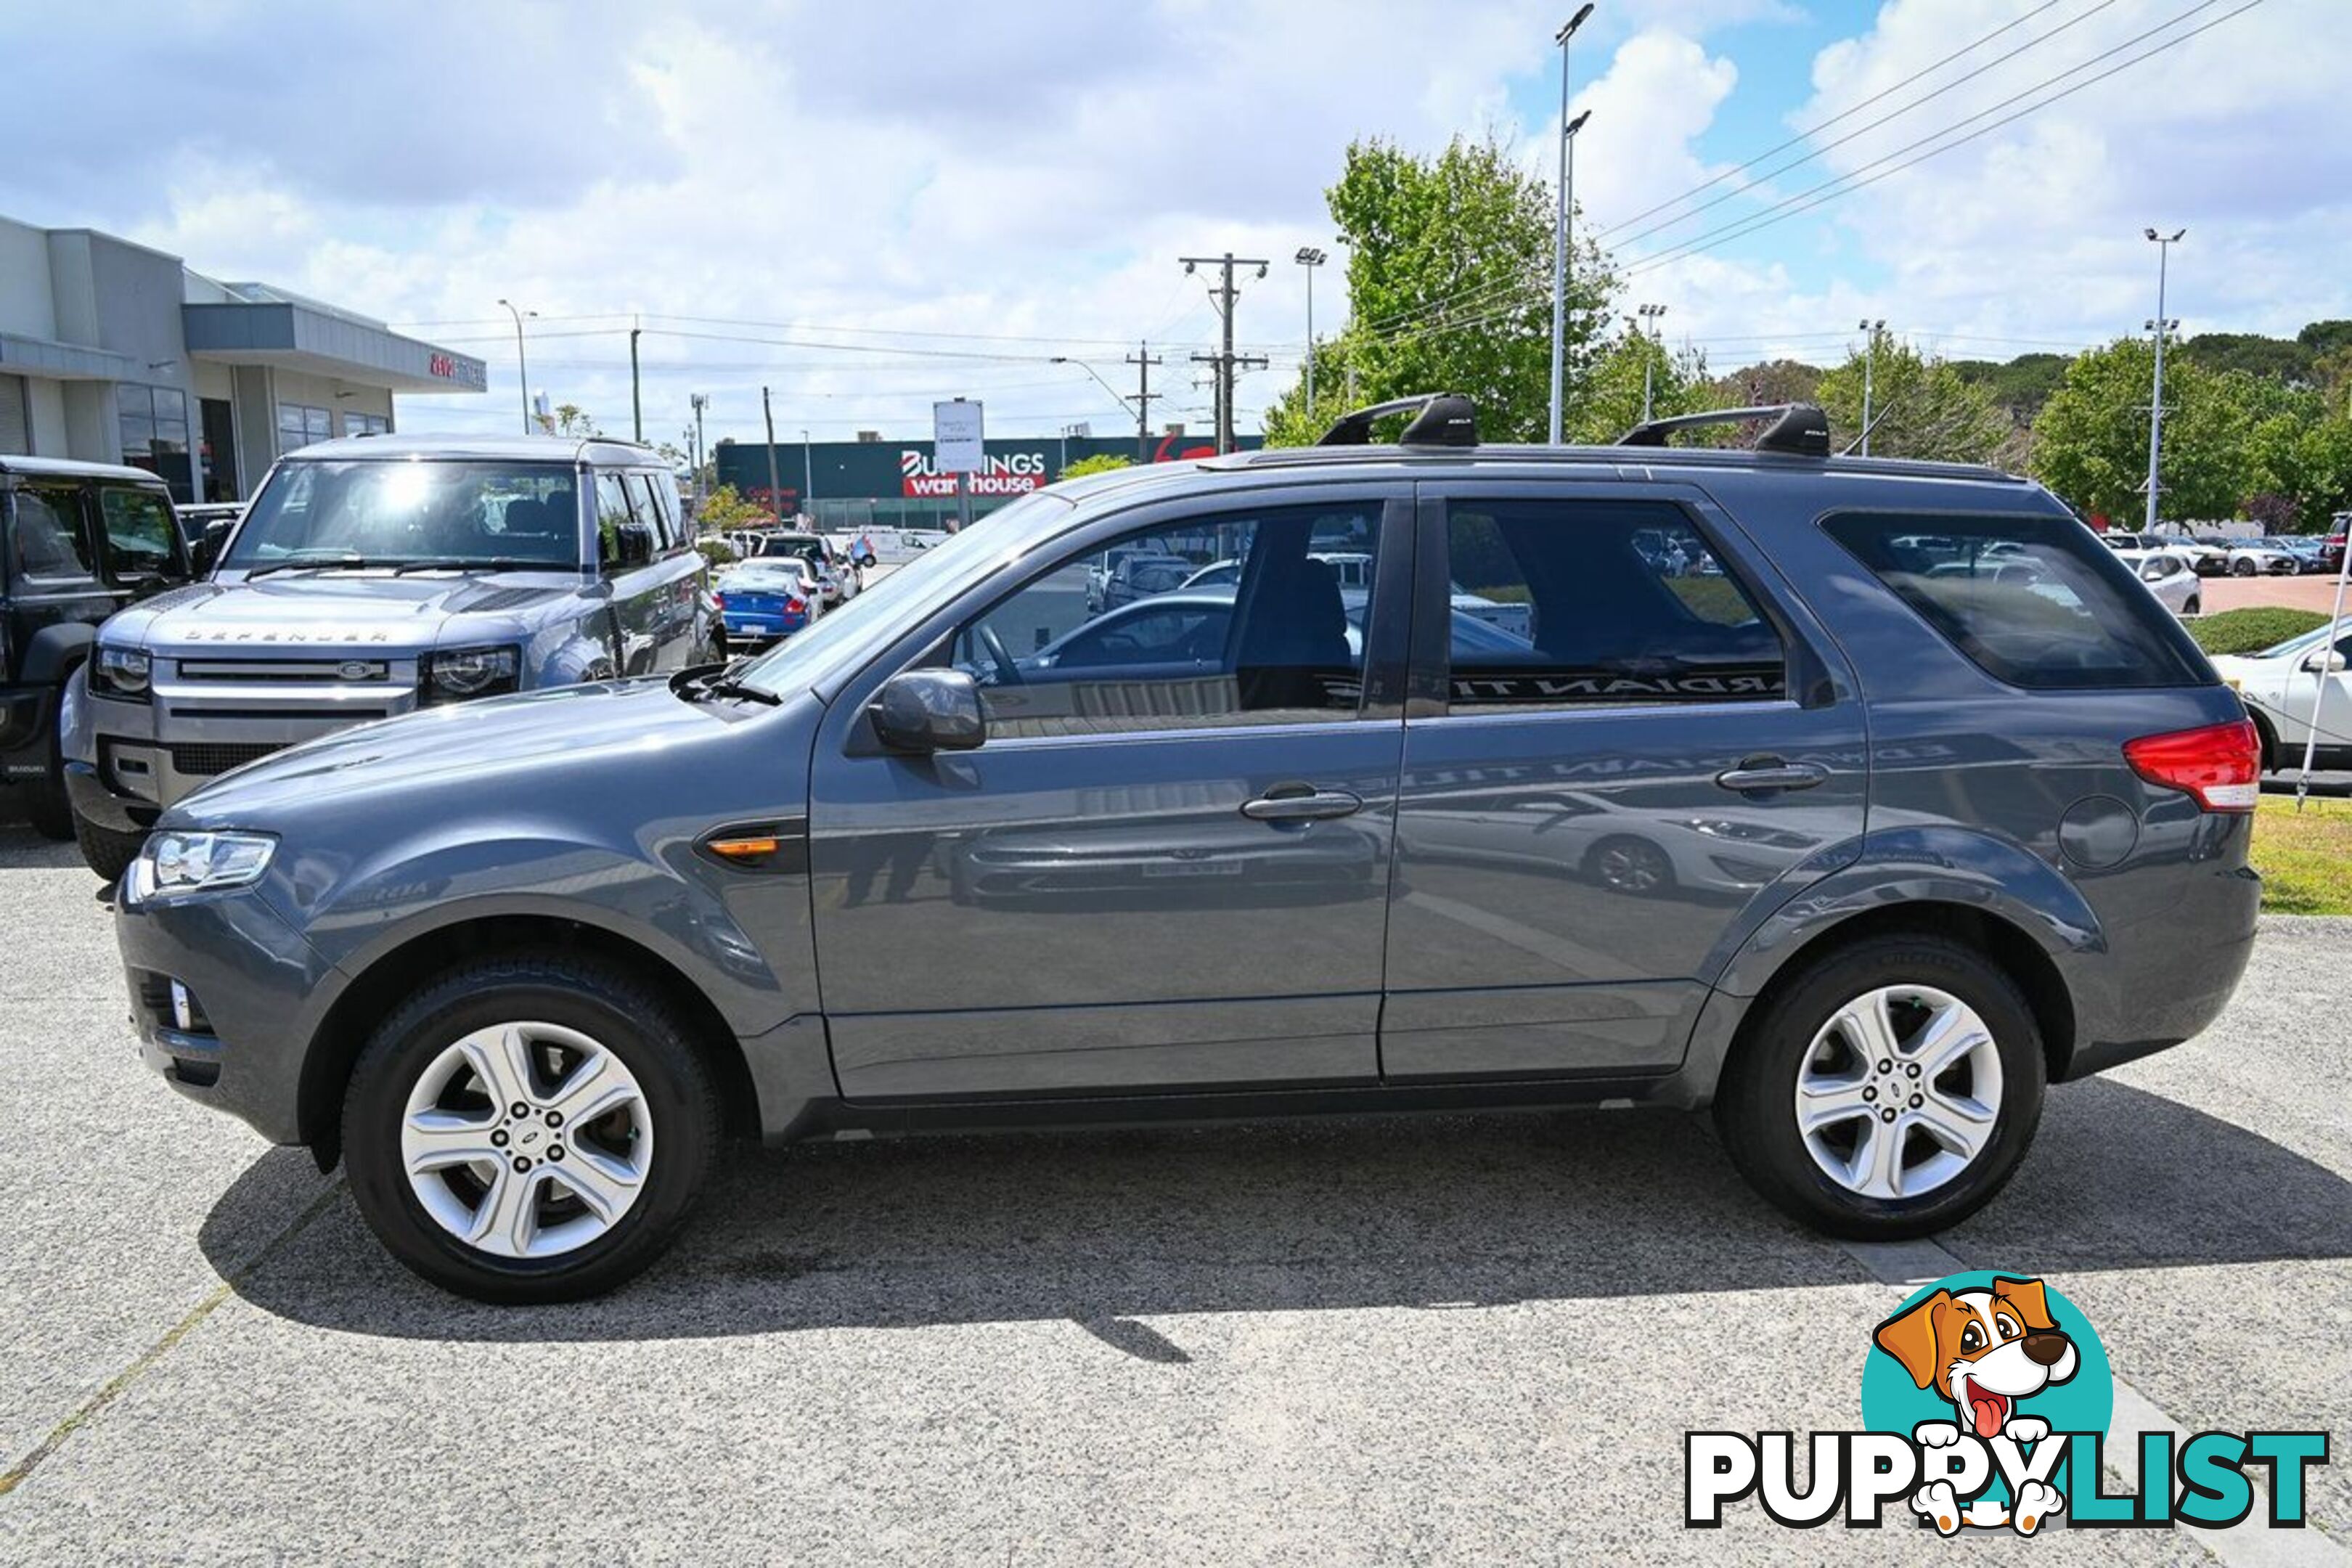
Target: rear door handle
[1757,775]
[1301,802]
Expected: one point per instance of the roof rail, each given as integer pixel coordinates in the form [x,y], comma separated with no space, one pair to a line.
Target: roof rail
[1446,419]
[1798,429]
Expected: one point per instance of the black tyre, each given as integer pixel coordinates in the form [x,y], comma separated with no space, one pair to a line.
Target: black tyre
[529,1127]
[104,850]
[1919,1066]
[2195,606]
[2242,569]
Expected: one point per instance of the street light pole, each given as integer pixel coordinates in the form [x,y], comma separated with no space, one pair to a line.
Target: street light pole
[1310,258]
[1869,366]
[808,477]
[700,402]
[522,367]
[1560,227]
[2164,244]
[1647,328]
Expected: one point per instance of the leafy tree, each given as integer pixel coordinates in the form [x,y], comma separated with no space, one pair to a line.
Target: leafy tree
[1773,380]
[2324,338]
[1611,400]
[569,420]
[1101,463]
[724,508]
[2090,444]
[1920,408]
[2283,359]
[2021,386]
[1449,290]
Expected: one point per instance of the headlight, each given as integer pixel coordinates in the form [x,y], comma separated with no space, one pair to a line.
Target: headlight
[120,672]
[454,675]
[196,863]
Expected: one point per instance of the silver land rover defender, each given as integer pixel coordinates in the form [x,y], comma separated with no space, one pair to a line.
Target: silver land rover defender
[370,577]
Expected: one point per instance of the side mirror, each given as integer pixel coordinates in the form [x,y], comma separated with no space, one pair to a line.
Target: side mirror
[633,543]
[204,554]
[2326,661]
[926,710]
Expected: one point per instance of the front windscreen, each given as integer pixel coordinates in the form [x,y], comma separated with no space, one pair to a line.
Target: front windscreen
[398,514]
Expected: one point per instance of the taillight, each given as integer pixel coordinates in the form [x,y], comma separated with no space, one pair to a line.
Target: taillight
[719,600]
[794,606]
[2220,764]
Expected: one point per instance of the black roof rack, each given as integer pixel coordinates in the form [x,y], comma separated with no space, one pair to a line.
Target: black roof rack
[1446,419]
[1798,429]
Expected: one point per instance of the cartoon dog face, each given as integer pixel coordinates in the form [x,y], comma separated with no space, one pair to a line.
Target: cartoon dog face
[1982,1350]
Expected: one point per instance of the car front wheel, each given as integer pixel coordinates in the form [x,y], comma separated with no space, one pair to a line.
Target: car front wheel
[1889,1091]
[529,1127]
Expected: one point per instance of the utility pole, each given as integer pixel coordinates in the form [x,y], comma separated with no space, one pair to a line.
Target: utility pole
[522,366]
[700,403]
[775,489]
[637,396]
[808,476]
[1646,316]
[1310,258]
[1869,364]
[1143,359]
[1225,361]
[1559,227]
[2162,328]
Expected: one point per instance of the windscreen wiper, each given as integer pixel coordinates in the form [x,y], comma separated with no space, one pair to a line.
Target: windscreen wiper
[309,563]
[720,680]
[488,564]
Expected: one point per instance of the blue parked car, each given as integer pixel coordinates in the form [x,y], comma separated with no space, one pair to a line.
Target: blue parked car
[767,599]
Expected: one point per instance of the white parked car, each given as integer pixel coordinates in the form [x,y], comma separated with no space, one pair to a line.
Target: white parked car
[2280,685]
[2264,557]
[2205,558]
[2169,577]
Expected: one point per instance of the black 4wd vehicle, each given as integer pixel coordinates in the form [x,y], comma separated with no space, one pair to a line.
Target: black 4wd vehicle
[78,541]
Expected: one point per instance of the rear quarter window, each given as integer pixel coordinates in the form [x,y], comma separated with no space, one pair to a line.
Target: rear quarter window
[2034,600]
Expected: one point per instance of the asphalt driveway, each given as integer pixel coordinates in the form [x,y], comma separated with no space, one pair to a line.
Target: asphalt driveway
[1474,1339]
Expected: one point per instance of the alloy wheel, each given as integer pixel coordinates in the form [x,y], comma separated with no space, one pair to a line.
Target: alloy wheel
[527,1139]
[1899,1091]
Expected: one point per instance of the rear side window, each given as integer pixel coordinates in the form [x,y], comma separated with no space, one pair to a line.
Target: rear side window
[2034,600]
[141,533]
[1598,603]
[50,546]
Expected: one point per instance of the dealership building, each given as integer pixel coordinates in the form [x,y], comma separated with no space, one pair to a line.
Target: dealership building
[113,352]
[875,483]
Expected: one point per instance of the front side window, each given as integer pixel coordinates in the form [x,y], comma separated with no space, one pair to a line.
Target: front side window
[2032,599]
[1584,604]
[50,545]
[139,532]
[1281,641]
[399,514]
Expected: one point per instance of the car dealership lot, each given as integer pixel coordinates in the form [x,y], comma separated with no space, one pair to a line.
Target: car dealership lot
[1460,1339]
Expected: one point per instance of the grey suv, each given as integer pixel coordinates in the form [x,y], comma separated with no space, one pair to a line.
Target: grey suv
[1856,838]
[370,577]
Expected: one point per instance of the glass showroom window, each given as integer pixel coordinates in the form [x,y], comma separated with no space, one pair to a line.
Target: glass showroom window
[366,425]
[299,425]
[154,426]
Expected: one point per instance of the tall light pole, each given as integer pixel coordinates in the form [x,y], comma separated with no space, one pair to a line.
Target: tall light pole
[1869,366]
[1568,131]
[808,477]
[1310,258]
[1114,391]
[2164,244]
[700,403]
[1644,322]
[522,367]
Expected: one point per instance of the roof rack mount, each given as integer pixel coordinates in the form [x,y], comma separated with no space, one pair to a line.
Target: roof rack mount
[1798,429]
[1439,419]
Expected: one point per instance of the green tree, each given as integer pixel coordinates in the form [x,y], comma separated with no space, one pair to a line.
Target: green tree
[1771,382]
[1449,290]
[1101,463]
[2090,443]
[1610,400]
[724,508]
[1920,408]
[569,420]
[2021,386]
[2283,359]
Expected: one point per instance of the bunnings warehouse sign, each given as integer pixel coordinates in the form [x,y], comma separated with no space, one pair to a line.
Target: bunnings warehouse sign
[909,470]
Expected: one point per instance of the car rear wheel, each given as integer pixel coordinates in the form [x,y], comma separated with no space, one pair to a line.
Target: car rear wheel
[530,1129]
[2242,569]
[1889,1091]
[2195,606]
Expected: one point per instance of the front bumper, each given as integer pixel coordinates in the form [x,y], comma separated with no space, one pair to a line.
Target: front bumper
[258,991]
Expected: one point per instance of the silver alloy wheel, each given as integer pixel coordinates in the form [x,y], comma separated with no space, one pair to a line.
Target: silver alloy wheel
[1631,866]
[527,1139]
[1899,1092]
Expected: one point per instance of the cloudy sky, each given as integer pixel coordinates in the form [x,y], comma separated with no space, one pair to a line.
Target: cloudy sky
[866,207]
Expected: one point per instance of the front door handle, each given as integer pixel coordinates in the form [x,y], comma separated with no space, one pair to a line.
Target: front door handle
[1301,802]
[1757,775]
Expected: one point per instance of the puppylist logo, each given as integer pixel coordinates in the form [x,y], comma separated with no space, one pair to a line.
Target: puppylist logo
[1986,1400]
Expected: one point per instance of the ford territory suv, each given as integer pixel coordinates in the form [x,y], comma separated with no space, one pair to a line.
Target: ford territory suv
[1859,837]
